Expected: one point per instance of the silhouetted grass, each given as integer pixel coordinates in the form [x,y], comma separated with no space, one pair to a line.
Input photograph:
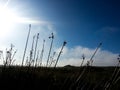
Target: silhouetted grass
[43,78]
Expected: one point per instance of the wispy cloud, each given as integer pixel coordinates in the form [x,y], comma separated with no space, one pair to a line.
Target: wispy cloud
[109,29]
[34,21]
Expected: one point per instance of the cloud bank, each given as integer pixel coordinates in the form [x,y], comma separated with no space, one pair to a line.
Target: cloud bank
[73,56]
[70,55]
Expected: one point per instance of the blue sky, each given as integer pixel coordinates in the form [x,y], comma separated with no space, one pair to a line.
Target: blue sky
[82,23]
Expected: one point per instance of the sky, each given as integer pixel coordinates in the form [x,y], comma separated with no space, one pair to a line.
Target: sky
[82,23]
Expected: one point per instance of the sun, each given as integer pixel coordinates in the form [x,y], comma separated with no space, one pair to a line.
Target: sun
[9,17]
[7,20]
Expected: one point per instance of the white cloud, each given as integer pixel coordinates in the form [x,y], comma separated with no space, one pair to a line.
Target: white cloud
[73,56]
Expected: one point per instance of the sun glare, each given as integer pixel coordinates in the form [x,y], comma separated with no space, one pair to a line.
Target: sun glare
[7,20]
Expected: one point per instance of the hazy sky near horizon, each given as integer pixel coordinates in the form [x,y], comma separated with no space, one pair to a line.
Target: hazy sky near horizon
[82,23]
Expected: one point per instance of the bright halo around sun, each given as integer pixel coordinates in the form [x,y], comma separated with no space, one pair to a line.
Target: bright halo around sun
[7,20]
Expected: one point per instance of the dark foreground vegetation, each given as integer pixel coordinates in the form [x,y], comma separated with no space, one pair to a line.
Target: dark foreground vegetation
[64,78]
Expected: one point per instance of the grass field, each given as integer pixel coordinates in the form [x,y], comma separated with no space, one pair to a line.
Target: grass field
[61,78]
